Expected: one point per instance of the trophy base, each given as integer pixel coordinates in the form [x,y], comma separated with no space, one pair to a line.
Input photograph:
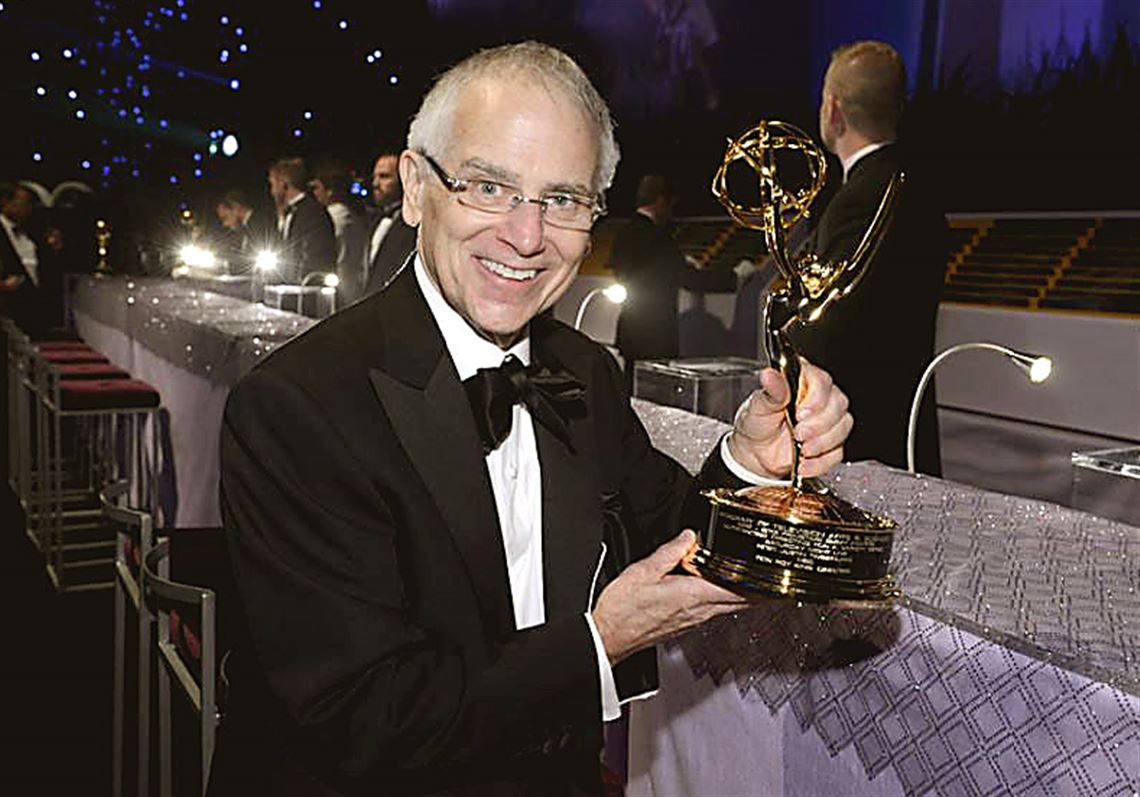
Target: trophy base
[806,545]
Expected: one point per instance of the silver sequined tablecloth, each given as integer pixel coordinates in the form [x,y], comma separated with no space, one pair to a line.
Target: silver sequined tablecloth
[1010,667]
[206,333]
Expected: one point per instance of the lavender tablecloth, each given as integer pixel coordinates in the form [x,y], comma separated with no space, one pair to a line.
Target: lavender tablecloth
[1012,666]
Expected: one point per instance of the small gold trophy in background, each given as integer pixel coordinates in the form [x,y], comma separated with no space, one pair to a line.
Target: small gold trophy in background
[102,246]
[800,540]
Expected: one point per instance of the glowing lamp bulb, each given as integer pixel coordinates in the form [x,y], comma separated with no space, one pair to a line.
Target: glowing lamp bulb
[616,293]
[331,280]
[1040,370]
[266,260]
[230,145]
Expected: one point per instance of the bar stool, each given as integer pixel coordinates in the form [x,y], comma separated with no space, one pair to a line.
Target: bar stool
[70,371]
[186,627]
[23,354]
[134,538]
[108,411]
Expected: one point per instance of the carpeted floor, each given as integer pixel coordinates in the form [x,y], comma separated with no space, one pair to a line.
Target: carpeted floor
[55,665]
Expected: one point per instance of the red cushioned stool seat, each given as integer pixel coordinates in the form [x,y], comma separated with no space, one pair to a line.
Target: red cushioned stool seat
[106,394]
[61,356]
[90,371]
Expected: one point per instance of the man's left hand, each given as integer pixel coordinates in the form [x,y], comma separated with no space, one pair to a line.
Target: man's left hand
[760,440]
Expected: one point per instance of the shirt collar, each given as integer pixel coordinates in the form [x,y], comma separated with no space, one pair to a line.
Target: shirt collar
[292,203]
[858,155]
[468,349]
[9,225]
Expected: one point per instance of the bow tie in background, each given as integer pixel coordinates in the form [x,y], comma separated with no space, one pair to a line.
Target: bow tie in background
[550,396]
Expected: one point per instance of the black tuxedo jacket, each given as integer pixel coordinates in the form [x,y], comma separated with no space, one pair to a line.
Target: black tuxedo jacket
[650,264]
[310,244]
[382,656]
[398,243]
[35,309]
[877,341]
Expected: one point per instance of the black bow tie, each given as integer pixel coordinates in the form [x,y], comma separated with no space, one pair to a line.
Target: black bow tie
[493,392]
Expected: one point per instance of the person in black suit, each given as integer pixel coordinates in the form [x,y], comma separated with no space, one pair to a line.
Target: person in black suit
[307,238]
[650,264]
[250,229]
[877,341]
[31,278]
[390,239]
[332,187]
[443,513]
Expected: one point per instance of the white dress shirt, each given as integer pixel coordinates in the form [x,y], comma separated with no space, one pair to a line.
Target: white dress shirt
[287,215]
[378,234]
[859,154]
[516,481]
[25,249]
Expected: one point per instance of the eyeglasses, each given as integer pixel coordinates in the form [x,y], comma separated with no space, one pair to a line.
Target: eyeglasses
[559,209]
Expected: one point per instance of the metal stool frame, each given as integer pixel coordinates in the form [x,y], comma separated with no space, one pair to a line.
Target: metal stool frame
[138,528]
[98,429]
[159,595]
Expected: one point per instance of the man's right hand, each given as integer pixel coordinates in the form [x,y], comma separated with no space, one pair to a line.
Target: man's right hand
[647,603]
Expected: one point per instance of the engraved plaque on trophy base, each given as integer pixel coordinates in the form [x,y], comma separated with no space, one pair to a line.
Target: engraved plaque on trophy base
[808,545]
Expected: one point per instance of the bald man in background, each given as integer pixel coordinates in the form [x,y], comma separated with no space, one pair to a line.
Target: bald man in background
[877,341]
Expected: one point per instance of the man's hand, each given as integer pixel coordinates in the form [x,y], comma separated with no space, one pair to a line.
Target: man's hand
[647,604]
[760,440]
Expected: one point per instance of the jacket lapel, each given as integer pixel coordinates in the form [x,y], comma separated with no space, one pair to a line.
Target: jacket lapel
[425,401]
[571,496]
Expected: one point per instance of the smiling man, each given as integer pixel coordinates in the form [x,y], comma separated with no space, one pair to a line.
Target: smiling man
[454,545]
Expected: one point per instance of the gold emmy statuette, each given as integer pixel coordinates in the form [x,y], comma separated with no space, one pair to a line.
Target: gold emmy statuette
[102,246]
[799,541]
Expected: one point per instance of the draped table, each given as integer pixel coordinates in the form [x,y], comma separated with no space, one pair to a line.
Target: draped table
[192,344]
[1011,666]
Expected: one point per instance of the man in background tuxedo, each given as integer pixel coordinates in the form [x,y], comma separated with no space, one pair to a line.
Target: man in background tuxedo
[652,267]
[391,239]
[31,279]
[304,229]
[454,544]
[251,228]
[877,341]
[332,187]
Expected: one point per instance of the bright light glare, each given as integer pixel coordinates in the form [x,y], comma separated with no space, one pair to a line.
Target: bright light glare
[1040,370]
[616,293]
[197,256]
[331,280]
[266,260]
[230,145]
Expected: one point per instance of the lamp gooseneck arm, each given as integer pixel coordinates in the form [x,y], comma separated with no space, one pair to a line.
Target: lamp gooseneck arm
[912,422]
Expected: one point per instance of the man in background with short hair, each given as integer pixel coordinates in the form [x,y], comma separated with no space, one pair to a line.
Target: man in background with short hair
[304,229]
[879,339]
[390,240]
[332,187]
[250,228]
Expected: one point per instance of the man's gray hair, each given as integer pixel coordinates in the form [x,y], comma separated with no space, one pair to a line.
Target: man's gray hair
[529,61]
